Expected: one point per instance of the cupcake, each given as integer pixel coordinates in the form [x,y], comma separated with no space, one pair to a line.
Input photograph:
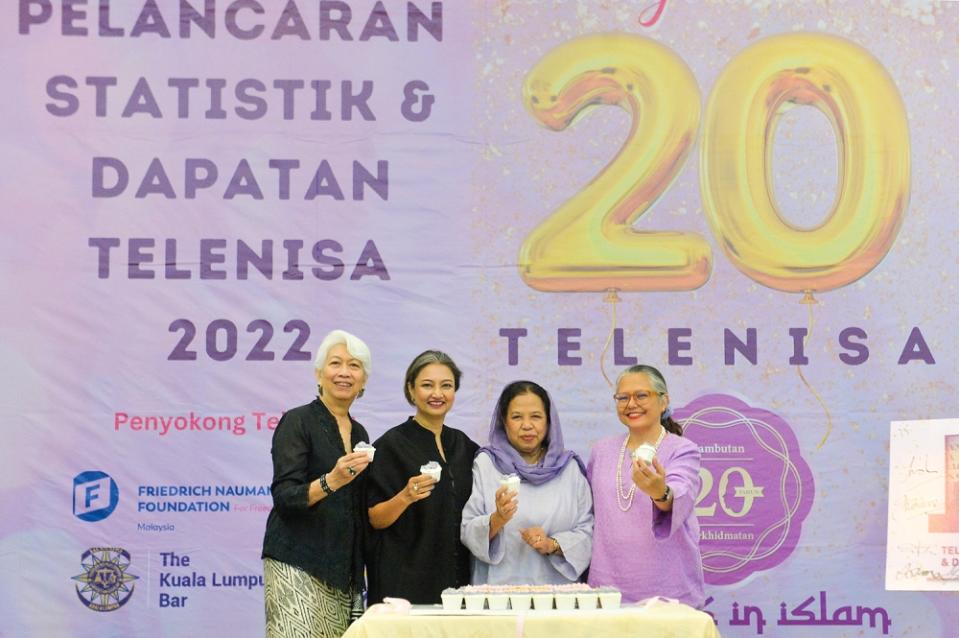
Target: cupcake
[511,481]
[565,600]
[587,599]
[363,446]
[452,599]
[520,599]
[609,598]
[474,598]
[497,600]
[432,469]
[645,452]
[542,600]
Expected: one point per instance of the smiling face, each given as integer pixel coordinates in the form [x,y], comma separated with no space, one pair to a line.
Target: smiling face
[433,392]
[342,376]
[638,404]
[526,425]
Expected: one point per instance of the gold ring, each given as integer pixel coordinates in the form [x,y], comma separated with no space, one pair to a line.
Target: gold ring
[416,488]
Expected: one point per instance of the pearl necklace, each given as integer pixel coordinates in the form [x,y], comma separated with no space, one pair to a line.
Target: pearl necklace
[627,497]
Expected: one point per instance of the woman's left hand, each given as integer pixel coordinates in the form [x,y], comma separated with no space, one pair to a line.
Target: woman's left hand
[650,478]
[538,539]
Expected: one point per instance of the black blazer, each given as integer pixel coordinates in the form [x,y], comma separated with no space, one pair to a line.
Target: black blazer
[325,540]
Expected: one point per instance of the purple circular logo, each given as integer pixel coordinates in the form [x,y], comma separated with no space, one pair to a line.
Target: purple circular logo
[756,488]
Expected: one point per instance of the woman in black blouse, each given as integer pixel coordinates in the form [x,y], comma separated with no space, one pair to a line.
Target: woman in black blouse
[416,550]
[312,549]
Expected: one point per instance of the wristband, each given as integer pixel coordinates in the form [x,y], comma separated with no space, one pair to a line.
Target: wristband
[325,486]
[665,497]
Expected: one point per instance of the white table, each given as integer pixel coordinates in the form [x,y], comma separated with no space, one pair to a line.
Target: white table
[662,620]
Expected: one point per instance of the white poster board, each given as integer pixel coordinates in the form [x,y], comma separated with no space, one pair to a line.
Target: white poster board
[922,547]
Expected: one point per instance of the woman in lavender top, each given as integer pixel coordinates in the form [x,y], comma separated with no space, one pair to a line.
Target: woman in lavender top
[646,540]
[542,534]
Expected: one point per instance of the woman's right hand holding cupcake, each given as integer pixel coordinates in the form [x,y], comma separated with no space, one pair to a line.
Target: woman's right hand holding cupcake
[506,506]
[418,488]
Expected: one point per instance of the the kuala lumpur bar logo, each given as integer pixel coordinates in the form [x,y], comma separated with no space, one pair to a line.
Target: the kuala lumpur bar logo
[106,583]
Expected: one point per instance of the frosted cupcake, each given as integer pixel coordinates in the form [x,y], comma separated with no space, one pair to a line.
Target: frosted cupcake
[520,599]
[609,598]
[432,469]
[497,600]
[566,595]
[511,482]
[565,600]
[452,599]
[363,446]
[646,452]
[475,601]
[588,599]
[542,600]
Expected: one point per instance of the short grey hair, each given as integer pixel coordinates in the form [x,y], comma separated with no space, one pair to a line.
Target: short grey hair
[655,377]
[354,345]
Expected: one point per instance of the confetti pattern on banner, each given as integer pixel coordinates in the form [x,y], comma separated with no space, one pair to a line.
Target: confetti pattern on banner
[187,214]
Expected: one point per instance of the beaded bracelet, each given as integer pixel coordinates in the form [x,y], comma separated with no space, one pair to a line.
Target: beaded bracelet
[326,486]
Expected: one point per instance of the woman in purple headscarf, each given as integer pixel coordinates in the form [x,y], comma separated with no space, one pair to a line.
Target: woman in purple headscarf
[540,533]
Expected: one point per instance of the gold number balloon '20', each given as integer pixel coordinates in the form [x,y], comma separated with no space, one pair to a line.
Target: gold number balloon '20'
[588,244]
[853,90]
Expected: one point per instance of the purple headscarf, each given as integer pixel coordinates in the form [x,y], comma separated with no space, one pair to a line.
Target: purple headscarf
[508,461]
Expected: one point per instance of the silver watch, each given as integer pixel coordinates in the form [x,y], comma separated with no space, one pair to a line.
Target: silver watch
[666,495]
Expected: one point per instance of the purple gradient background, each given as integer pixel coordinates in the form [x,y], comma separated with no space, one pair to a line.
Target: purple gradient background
[466,187]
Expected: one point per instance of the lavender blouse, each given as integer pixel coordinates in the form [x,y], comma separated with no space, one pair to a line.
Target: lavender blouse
[643,551]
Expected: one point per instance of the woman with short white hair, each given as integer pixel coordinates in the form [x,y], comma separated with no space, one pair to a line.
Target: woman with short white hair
[312,549]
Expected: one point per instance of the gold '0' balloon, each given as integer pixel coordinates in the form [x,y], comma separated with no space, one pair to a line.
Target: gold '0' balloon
[858,97]
[588,244]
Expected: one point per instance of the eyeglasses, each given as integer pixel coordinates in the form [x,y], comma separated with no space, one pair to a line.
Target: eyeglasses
[641,397]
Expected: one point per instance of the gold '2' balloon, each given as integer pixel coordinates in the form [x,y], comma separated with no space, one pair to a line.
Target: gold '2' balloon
[858,97]
[589,244]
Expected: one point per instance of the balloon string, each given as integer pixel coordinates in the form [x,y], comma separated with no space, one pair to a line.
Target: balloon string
[810,301]
[611,298]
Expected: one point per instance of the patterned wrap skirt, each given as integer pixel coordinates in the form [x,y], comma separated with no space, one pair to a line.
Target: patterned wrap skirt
[299,605]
